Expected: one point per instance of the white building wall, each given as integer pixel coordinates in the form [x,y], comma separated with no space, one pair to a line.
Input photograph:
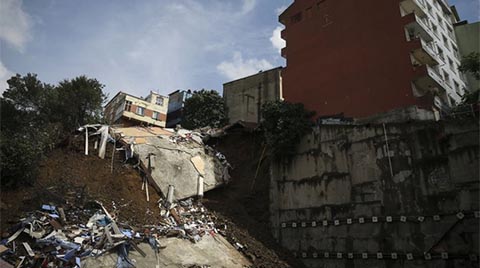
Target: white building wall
[441,24]
[444,45]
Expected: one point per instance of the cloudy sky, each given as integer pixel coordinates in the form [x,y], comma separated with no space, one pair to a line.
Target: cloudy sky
[138,46]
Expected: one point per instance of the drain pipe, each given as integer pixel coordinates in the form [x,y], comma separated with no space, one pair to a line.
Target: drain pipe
[388,150]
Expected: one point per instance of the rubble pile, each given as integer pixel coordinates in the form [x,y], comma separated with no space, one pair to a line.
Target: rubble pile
[57,236]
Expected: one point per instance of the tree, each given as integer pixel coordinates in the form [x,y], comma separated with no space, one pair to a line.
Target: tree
[79,102]
[22,121]
[204,108]
[471,64]
[284,124]
[36,116]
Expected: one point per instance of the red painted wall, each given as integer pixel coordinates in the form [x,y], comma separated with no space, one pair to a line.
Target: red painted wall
[348,56]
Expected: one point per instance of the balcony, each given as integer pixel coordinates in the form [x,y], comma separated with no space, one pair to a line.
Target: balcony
[414,6]
[418,27]
[424,53]
[429,80]
[445,6]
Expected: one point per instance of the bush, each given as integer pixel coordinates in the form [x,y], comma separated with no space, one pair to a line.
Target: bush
[36,116]
[284,124]
[204,108]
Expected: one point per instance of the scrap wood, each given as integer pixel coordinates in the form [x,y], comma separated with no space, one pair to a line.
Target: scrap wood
[173,211]
[62,214]
[55,224]
[28,249]
[15,235]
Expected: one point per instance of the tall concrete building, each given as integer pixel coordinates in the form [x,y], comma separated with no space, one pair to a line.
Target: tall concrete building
[365,57]
[244,97]
[468,36]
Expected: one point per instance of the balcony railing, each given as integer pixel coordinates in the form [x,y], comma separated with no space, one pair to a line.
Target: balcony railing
[444,6]
[415,6]
[419,28]
[435,75]
[428,47]
[424,52]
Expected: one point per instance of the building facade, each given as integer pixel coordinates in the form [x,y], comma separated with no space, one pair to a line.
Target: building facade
[468,37]
[175,106]
[126,109]
[366,57]
[244,97]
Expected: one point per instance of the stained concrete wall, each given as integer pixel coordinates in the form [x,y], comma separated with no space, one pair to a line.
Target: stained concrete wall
[244,97]
[324,199]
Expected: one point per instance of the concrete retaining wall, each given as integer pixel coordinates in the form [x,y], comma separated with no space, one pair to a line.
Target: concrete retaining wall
[375,196]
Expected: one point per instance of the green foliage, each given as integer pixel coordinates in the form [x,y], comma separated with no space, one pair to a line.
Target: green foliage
[470,97]
[204,108]
[79,102]
[36,116]
[471,64]
[284,124]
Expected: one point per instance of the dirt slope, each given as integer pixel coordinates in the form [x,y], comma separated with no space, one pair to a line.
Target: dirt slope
[245,201]
[69,178]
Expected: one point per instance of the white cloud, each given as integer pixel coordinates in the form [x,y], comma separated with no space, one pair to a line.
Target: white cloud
[277,42]
[15,24]
[5,74]
[248,5]
[280,10]
[147,62]
[238,67]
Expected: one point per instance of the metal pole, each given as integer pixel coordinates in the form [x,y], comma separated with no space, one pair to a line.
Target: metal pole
[388,150]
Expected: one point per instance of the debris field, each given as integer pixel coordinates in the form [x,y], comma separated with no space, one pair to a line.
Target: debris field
[84,207]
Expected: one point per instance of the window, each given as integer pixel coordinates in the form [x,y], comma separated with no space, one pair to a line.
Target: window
[159,101]
[429,7]
[128,105]
[446,78]
[155,115]
[450,62]
[140,110]
[457,88]
[440,53]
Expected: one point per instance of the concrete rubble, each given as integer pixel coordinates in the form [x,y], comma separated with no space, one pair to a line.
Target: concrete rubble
[179,166]
[174,158]
[187,236]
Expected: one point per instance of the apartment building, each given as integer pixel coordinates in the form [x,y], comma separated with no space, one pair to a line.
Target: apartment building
[129,110]
[244,97]
[366,57]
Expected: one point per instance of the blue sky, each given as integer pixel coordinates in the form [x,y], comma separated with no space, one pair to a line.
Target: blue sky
[138,46]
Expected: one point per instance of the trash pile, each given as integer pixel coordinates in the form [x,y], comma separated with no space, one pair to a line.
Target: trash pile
[60,237]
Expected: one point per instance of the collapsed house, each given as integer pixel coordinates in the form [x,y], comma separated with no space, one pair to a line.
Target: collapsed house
[175,162]
[178,161]
[178,165]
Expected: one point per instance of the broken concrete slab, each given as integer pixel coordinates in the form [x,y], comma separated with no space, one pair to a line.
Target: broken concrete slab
[198,163]
[211,250]
[177,162]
